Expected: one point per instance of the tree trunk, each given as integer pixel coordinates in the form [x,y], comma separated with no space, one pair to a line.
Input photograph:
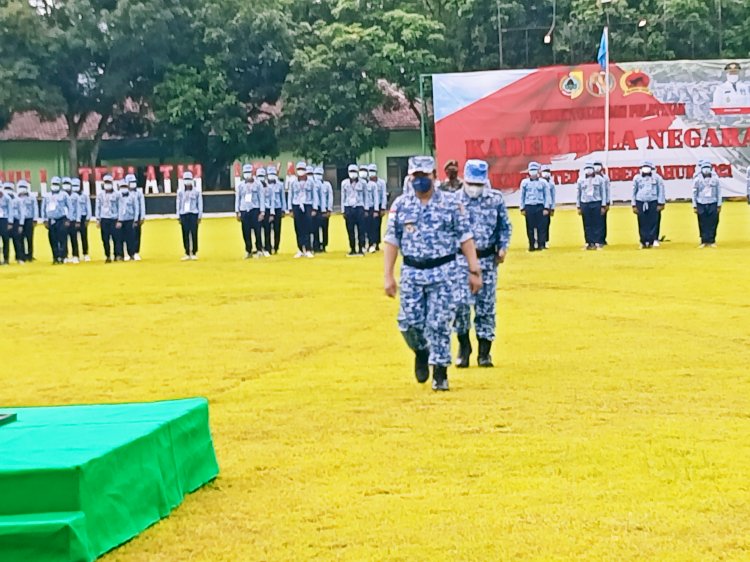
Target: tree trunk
[100,129]
[74,126]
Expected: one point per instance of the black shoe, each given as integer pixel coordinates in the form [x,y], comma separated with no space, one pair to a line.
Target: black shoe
[464,351]
[352,254]
[485,359]
[421,367]
[440,378]
[108,260]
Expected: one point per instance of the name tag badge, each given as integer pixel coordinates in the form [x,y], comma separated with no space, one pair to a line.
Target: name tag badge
[52,206]
[248,198]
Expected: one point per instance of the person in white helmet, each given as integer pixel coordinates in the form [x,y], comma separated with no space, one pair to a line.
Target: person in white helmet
[190,212]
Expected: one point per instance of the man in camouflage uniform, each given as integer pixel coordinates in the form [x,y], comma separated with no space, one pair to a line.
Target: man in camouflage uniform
[427,227]
[453,183]
[491,228]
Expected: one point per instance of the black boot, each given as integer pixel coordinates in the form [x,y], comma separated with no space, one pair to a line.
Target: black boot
[485,359]
[440,378]
[464,351]
[421,367]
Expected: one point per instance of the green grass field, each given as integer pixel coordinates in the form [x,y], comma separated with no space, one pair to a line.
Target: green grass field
[615,425]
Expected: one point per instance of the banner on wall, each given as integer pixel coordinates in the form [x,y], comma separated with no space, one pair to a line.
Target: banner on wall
[672,113]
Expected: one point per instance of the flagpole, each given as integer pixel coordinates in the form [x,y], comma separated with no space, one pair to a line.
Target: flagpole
[606,100]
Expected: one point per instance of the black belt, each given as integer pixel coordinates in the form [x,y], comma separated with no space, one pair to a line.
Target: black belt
[428,264]
[486,253]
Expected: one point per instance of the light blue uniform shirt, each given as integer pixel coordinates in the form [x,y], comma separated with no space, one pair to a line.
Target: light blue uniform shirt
[352,194]
[56,206]
[266,193]
[84,205]
[648,189]
[278,200]
[302,193]
[189,201]
[382,191]
[591,190]
[552,192]
[107,205]
[326,197]
[249,197]
[26,208]
[74,213]
[129,209]
[141,203]
[7,208]
[535,192]
[372,197]
[707,191]
[607,189]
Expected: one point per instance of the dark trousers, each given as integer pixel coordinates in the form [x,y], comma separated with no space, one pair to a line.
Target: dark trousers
[592,222]
[16,235]
[83,231]
[604,228]
[58,238]
[379,229]
[658,226]
[708,222]
[323,226]
[5,236]
[189,223]
[277,228]
[536,226]
[125,239]
[371,226]
[547,224]
[648,217]
[73,237]
[109,235]
[266,227]
[312,232]
[251,227]
[300,228]
[354,218]
[28,239]
[136,235]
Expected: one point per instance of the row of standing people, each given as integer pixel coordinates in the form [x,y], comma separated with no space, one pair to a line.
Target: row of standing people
[65,212]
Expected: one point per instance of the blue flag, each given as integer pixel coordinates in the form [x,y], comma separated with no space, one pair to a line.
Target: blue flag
[603,51]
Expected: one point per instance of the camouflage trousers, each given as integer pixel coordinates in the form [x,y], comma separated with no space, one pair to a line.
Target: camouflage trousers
[484,303]
[426,310]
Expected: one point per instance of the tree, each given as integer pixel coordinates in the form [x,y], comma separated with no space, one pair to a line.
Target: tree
[331,92]
[217,104]
[82,58]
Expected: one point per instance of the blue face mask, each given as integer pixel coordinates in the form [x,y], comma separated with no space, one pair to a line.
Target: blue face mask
[422,184]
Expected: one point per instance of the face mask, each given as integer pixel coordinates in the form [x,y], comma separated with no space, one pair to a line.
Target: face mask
[54,188]
[546,175]
[733,78]
[597,168]
[301,173]
[589,172]
[353,176]
[706,171]
[363,175]
[107,187]
[66,188]
[123,191]
[247,176]
[133,187]
[533,174]
[77,188]
[473,190]
[646,171]
[318,177]
[422,184]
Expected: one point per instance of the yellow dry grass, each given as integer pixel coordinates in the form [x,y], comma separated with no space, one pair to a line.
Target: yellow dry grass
[615,425]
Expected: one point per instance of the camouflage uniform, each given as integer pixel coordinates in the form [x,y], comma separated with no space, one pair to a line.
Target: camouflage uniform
[425,232]
[452,186]
[492,230]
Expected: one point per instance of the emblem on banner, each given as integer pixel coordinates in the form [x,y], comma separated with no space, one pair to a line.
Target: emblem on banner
[634,82]
[571,85]
[596,84]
